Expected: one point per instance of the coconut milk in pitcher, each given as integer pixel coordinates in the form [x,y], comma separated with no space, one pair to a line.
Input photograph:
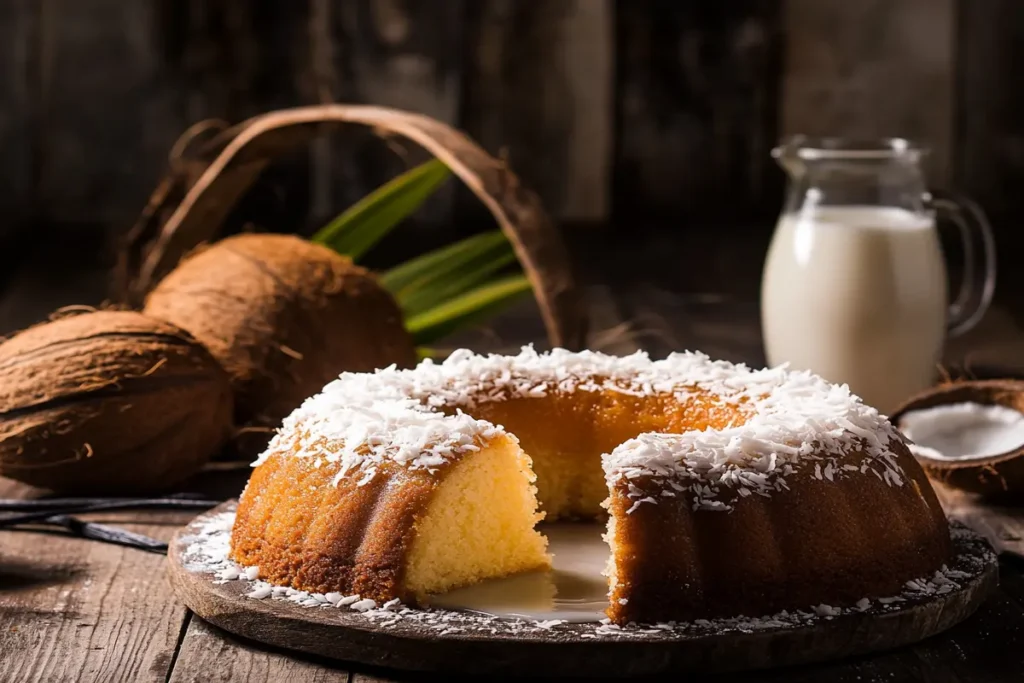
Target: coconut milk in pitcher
[855,286]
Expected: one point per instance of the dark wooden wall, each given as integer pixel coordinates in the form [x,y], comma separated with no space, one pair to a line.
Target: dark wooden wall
[640,121]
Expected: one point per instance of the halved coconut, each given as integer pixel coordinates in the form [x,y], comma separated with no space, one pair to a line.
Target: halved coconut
[956,408]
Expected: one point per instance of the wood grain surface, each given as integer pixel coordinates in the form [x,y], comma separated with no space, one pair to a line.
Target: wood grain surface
[77,610]
[209,655]
[658,114]
[873,69]
[652,105]
[696,110]
[406,55]
[539,77]
[990,141]
[17,26]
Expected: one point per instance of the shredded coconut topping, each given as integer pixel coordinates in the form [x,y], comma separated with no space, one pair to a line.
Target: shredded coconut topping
[363,420]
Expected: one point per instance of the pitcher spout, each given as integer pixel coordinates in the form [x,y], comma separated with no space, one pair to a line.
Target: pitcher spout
[787,155]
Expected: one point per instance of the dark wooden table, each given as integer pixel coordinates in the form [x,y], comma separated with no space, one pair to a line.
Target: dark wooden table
[77,610]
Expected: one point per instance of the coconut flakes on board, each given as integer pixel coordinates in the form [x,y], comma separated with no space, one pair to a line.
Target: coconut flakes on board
[363,420]
[206,551]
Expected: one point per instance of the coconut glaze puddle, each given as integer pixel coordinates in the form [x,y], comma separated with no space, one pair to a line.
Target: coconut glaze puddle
[573,590]
[962,431]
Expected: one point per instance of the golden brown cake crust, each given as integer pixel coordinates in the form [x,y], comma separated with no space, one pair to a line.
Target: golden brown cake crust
[304,531]
[823,542]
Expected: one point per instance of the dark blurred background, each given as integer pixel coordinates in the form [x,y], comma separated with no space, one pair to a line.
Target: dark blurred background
[645,125]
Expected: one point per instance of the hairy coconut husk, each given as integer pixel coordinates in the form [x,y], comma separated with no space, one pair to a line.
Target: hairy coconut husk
[994,476]
[284,317]
[109,402]
[190,206]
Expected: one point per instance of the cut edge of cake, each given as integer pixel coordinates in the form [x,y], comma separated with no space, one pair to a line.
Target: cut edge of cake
[480,524]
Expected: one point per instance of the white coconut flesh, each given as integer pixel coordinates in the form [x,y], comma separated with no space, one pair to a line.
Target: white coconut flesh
[963,431]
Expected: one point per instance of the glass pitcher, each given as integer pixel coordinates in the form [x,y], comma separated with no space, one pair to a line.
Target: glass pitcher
[855,285]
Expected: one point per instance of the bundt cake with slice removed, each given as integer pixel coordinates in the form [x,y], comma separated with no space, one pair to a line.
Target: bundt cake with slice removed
[728,491]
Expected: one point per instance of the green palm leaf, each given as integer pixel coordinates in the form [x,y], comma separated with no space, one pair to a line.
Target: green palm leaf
[436,277]
[443,291]
[366,222]
[406,278]
[464,310]
[454,283]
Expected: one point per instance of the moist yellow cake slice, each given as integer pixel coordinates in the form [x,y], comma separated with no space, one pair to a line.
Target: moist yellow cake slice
[395,502]
[479,524]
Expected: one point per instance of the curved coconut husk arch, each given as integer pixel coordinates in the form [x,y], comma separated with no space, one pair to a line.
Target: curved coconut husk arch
[189,207]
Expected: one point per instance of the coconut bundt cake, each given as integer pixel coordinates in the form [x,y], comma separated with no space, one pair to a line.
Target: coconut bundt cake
[728,491]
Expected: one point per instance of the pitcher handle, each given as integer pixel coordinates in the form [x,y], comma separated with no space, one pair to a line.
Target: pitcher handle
[979,278]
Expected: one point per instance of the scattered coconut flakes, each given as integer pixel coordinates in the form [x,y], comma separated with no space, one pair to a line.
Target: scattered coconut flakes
[827,611]
[548,624]
[205,550]
[229,574]
[260,592]
[364,605]
[362,420]
[206,547]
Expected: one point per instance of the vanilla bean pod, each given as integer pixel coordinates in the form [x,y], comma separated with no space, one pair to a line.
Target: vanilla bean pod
[107,534]
[18,504]
[69,505]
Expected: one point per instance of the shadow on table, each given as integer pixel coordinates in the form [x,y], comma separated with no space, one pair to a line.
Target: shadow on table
[17,574]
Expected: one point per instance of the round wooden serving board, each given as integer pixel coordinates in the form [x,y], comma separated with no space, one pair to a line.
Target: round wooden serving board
[502,647]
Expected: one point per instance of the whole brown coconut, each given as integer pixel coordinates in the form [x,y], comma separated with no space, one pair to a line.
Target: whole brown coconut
[109,402]
[284,317]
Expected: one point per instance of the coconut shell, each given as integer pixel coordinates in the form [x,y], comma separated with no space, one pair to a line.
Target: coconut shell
[109,402]
[284,317]
[995,476]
